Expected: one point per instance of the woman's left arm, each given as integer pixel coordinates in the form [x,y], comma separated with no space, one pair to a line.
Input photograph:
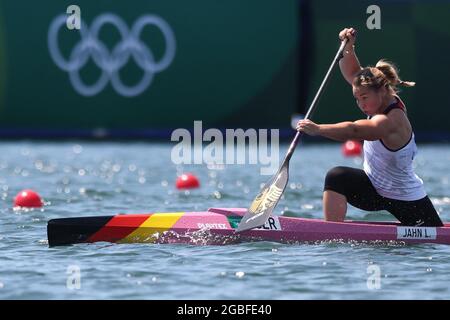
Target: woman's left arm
[376,128]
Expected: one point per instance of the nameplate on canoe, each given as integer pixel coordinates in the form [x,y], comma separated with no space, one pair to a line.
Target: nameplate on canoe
[425,233]
[271,224]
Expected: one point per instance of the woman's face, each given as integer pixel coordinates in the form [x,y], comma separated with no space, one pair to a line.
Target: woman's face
[368,100]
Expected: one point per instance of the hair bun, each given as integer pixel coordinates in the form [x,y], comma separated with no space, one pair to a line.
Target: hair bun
[390,72]
[384,74]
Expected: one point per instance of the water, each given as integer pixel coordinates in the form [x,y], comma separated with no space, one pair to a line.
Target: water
[80,179]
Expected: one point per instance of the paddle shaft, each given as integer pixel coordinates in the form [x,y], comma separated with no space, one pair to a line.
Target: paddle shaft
[267,199]
[314,103]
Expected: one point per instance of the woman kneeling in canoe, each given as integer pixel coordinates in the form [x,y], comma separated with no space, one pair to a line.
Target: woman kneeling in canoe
[388,181]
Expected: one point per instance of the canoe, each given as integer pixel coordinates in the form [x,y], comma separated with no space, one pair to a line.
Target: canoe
[217,227]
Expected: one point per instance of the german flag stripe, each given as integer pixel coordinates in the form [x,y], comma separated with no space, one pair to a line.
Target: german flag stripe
[74,230]
[153,227]
[119,227]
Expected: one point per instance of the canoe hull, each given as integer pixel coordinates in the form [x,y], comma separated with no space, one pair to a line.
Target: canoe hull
[217,227]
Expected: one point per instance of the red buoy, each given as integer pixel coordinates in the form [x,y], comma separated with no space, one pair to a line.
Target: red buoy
[28,199]
[352,148]
[187,181]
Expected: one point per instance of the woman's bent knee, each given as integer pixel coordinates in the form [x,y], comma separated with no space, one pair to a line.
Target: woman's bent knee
[334,180]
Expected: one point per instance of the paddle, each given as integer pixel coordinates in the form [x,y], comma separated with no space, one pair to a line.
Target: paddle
[267,199]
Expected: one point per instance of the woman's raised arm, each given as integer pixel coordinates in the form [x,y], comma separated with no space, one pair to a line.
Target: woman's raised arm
[349,64]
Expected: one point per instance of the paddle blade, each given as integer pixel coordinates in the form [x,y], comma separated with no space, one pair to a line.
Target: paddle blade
[265,201]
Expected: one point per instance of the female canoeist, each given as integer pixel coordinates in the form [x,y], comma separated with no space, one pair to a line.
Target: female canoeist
[388,181]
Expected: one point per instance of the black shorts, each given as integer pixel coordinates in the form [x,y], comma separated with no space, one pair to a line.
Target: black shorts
[360,193]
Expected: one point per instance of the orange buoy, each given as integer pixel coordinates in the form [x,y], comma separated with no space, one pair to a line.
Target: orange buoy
[187,181]
[352,148]
[28,199]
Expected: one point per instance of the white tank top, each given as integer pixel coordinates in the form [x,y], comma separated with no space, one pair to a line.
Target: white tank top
[391,171]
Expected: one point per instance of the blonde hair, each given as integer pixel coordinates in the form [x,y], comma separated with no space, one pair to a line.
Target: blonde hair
[384,74]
